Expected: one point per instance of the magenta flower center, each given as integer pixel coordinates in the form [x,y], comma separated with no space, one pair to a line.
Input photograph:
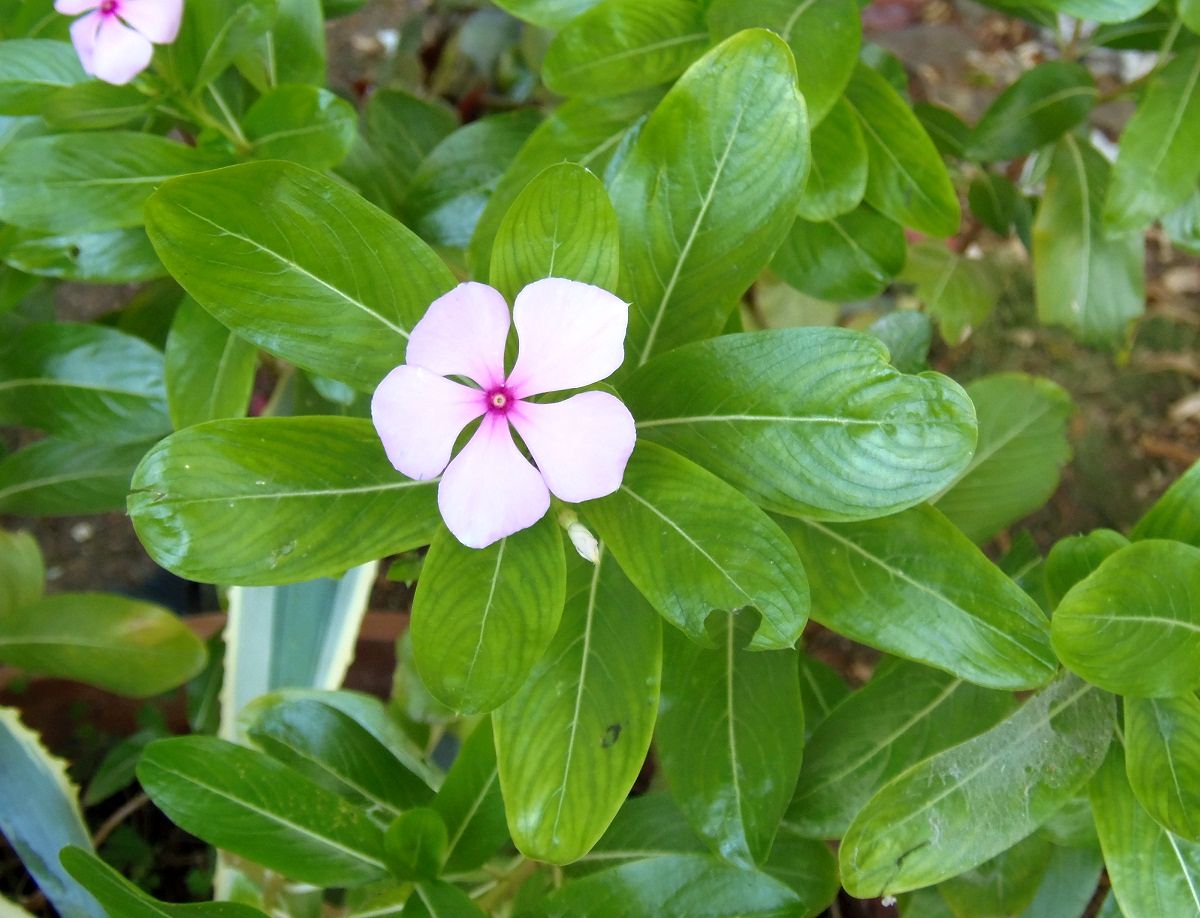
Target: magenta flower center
[499,400]
[109,7]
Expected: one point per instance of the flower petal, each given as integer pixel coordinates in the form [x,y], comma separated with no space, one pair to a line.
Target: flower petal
[419,415]
[158,20]
[571,335]
[463,334]
[83,37]
[581,445]
[75,7]
[120,53]
[490,490]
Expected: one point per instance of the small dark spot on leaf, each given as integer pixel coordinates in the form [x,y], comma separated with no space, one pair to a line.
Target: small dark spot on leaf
[74,251]
[611,735]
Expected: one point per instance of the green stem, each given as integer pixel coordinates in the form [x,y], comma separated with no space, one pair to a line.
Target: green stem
[242,143]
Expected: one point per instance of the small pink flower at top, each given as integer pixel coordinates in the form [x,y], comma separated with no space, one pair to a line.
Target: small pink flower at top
[116,39]
[570,335]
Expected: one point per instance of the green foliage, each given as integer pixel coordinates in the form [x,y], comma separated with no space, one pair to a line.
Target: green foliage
[1041,106]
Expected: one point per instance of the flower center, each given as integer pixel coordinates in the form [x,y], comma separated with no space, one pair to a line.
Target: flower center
[109,7]
[499,400]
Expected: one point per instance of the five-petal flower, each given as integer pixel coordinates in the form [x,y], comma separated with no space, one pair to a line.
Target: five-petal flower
[570,335]
[116,39]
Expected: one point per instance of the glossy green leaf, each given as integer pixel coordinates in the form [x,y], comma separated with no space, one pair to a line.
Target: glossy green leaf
[249,804]
[440,900]
[674,886]
[730,737]
[622,45]
[302,124]
[1175,515]
[482,618]
[87,183]
[32,70]
[1041,106]
[35,782]
[210,370]
[851,257]
[561,225]
[808,421]
[894,583]
[1182,225]
[252,244]
[119,896]
[1022,449]
[571,742]
[583,131]
[337,752]
[907,180]
[945,128]
[1157,168]
[22,572]
[1100,10]
[265,501]
[837,180]
[908,335]
[923,827]
[821,689]
[650,825]
[470,804]
[700,219]
[824,36]
[1075,557]
[808,867]
[1070,881]
[55,477]
[1133,626]
[1153,872]
[1083,280]
[213,34]
[415,844]
[292,52]
[996,202]
[121,256]
[451,188]
[95,105]
[83,381]
[549,14]
[1162,758]
[956,290]
[118,644]
[1005,885]
[904,715]
[714,549]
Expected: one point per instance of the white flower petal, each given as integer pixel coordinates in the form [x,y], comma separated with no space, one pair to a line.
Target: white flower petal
[419,415]
[463,334]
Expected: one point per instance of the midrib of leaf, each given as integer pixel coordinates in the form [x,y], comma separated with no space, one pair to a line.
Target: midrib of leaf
[639,51]
[1148,620]
[73,384]
[284,495]
[1183,866]
[786,419]
[1011,434]
[861,255]
[32,484]
[9,640]
[794,18]
[487,611]
[1185,100]
[302,753]
[1022,114]
[1170,756]
[815,687]
[471,811]
[735,774]
[1082,291]
[231,341]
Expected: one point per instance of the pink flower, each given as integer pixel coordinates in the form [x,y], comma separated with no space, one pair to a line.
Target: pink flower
[570,335]
[116,39]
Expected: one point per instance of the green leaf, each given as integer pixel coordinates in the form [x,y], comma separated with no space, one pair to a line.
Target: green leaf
[583,131]
[674,886]
[451,188]
[118,896]
[730,737]
[904,715]
[213,34]
[303,124]
[1182,225]
[713,549]
[923,827]
[808,421]
[440,900]
[122,256]
[1156,168]
[1005,885]
[83,381]
[821,689]
[22,572]
[265,501]
[335,751]
[292,52]
[482,618]
[571,742]
[824,36]
[1162,758]
[1041,106]
[415,844]
[622,45]
[907,180]
[95,106]
[895,583]
[700,219]
[851,257]
[1084,281]
[996,202]
[1075,557]
[908,336]
[1022,449]
[651,825]
[210,370]
[54,477]
[561,225]
[837,180]
[87,183]
[35,782]
[945,128]
[1069,884]
[1100,10]
[32,70]
[958,291]
[470,804]
[122,645]
[1189,12]
[1152,872]
[549,14]
[1133,626]
[252,244]
[1175,515]
[808,867]
[249,804]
